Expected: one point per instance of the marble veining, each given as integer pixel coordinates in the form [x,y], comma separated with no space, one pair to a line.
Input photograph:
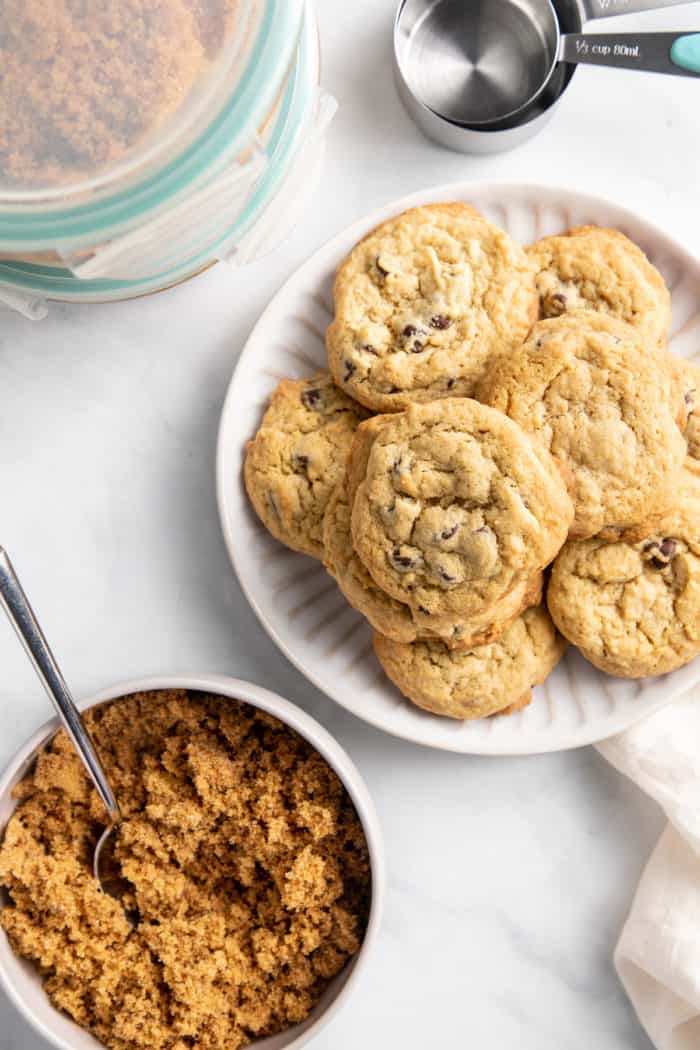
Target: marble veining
[509,879]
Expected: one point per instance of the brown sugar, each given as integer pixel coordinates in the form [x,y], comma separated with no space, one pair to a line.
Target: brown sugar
[81,83]
[242,856]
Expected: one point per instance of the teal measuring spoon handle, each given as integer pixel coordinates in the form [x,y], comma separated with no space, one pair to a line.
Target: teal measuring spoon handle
[685,52]
[677,54]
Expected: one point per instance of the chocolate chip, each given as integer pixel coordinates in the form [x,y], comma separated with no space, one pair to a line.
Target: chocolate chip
[689,399]
[661,552]
[448,533]
[300,462]
[369,349]
[381,270]
[482,528]
[668,547]
[349,370]
[555,304]
[422,609]
[445,576]
[451,383]
[441,322]
[311,398]
[538,344]
[402,562]
[409,332]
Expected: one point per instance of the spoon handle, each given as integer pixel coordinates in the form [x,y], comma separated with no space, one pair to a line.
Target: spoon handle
[14,602]
[674,53]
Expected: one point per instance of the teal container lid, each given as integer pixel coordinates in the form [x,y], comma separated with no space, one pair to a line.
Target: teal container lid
[32,284]
[123,109]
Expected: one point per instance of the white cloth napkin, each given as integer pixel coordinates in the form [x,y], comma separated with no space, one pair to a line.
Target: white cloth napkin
[658,954]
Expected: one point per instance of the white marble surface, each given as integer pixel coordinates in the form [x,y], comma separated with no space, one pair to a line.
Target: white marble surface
[509,880]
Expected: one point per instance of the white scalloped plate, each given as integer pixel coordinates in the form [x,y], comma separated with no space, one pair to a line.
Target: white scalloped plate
[300,606]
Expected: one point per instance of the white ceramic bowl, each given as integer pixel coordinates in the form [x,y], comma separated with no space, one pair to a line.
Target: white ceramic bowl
[19,978]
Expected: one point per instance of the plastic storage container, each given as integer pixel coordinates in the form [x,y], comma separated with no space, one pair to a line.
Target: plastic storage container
[145,141]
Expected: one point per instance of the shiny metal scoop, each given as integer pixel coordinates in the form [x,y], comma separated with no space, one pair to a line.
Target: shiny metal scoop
[473,61]
[478,63]
[14,602]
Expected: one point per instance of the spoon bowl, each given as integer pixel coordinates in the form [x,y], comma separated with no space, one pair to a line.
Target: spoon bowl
[473,63]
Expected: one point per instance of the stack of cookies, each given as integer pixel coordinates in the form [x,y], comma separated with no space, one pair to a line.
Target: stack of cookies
[496,422]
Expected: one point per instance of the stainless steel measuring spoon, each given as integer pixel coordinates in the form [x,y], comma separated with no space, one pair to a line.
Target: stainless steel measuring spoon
[15,603]
[677,54]
[484,75]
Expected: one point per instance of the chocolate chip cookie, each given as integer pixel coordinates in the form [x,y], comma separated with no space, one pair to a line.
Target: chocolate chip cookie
[606,406]
[593,268]
[393,618]
[475,683]
[423,303]
[298,457]
[689,376]
[633,609]
[453,506]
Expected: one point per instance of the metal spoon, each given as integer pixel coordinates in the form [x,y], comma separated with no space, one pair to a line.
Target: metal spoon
[14,602]
[478,63]
[676,54]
